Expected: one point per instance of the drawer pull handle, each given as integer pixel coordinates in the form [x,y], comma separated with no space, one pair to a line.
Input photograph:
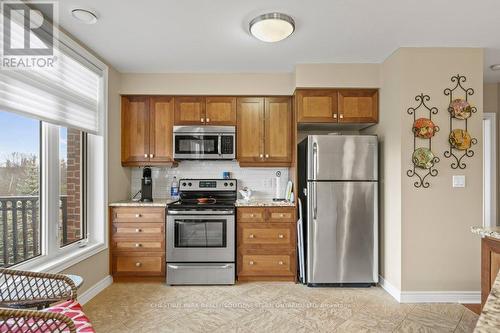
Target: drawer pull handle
[138,264]
[261,156]
[252,215]
[138,230]
[267,155]
[280,262]
[251,236]
[282,215]
[138,215]
[341,116]
[151,155]
[280,236]
[202,120]
[334,116]
[208,120]
[251,262]
[145,155]
[138,245]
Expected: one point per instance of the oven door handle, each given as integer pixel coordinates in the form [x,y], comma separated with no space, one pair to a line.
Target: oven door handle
[199,266]
[219,145]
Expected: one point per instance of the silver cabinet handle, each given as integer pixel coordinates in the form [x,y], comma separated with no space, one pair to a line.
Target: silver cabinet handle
[151,155]
[138,264]
[280,262]
[138,245]
[138,215]
[138,230]
[252,215]
[282,215]
[261,156]
[267,155]
[334,116]
[250,262]
[251,236]
[208,120]
[280,236]
[145,155]
[202,120]
[341,116]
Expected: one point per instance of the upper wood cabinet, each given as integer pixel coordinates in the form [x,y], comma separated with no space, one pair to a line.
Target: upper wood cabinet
[358,106]
[201,110]
[350,106]
[264,131]
[190,110]
[135,130]
[146,130]
[316,105]
[220,110]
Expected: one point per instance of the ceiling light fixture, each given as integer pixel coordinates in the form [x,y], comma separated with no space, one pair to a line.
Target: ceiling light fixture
[84,15]
[272,27]
[495,67]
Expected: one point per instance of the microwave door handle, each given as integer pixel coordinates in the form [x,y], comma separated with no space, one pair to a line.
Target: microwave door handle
[219,145]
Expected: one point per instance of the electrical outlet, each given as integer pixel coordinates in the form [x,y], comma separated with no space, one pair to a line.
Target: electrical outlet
[459,181]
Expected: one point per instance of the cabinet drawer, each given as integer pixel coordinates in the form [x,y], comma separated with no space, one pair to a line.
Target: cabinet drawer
[251,214]
[138,265]
[281,214]
[139,214]
[139,245]
[261,235]
[266,265]
[133,231]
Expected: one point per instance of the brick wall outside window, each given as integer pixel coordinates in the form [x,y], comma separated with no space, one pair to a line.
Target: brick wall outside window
[73,176]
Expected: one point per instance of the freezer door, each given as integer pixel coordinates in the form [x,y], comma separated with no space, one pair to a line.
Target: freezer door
[342,232]
[342,157]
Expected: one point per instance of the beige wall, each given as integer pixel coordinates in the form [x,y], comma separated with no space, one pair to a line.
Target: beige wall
[439,253]
[208,84]
[337,75]
[96,268]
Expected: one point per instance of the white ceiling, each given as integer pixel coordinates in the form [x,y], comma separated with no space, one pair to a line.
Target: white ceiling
[212,35]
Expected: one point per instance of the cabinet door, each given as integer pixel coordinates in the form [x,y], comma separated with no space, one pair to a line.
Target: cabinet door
[316,106]
[189,110]
[358,106]
[135,130]
[250,129]
[220,111]
[278,130]
[161,128]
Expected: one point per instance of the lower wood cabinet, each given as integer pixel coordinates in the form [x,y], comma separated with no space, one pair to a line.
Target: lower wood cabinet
[138,241]
[490,265]
[267,244]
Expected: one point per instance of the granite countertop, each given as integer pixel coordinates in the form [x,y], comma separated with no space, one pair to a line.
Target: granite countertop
[130,203]
[263,203]
[492,232]
[489,320]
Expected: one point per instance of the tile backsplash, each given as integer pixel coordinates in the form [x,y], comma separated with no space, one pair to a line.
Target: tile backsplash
[260,180]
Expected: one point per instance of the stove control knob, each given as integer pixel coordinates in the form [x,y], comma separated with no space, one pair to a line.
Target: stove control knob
[231,184]
[183,184]
[225,184]
[190,184]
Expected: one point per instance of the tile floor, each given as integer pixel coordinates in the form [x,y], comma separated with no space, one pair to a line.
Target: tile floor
[266,307]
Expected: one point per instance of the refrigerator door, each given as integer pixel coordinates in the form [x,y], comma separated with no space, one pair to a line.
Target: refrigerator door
[342,232]
[342,157]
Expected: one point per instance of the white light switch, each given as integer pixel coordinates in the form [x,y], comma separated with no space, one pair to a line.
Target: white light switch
[459,181]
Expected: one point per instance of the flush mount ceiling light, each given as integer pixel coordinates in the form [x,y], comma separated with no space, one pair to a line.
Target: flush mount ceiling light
[495,67]
[84,15]
[272,27]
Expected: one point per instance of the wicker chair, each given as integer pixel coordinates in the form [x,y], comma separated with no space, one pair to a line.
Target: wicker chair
[20,290]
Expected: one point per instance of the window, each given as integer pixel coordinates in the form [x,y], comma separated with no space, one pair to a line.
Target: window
[19,189]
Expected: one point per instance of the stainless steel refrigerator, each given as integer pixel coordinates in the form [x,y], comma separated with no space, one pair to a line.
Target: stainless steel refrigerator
[338,179]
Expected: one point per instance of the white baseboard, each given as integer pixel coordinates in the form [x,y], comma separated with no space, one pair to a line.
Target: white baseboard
[392,290]
[95,289]
[463,297]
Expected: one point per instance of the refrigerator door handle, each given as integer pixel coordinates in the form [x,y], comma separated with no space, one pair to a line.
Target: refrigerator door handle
[314,200]
[315,160]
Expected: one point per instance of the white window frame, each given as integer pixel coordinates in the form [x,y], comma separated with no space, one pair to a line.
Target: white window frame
[54,258]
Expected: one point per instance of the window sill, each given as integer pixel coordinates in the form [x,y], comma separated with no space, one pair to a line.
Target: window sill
[63,261]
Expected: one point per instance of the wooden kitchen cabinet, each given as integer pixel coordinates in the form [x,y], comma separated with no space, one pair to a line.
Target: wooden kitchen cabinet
[264,131]
[135,130]
[137,241]
[316,105]
[220,111]
[189,110]
[358,106]
[267,243]
[146,130]
[490,265]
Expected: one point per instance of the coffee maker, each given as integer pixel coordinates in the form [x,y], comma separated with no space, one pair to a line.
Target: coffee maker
[146,185]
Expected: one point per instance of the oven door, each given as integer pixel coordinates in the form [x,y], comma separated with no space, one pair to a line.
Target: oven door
[200,238]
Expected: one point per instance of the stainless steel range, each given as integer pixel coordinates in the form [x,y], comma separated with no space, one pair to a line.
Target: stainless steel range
[201,233]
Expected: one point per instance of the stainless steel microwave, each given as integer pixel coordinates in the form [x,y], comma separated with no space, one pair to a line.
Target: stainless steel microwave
[204,142]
